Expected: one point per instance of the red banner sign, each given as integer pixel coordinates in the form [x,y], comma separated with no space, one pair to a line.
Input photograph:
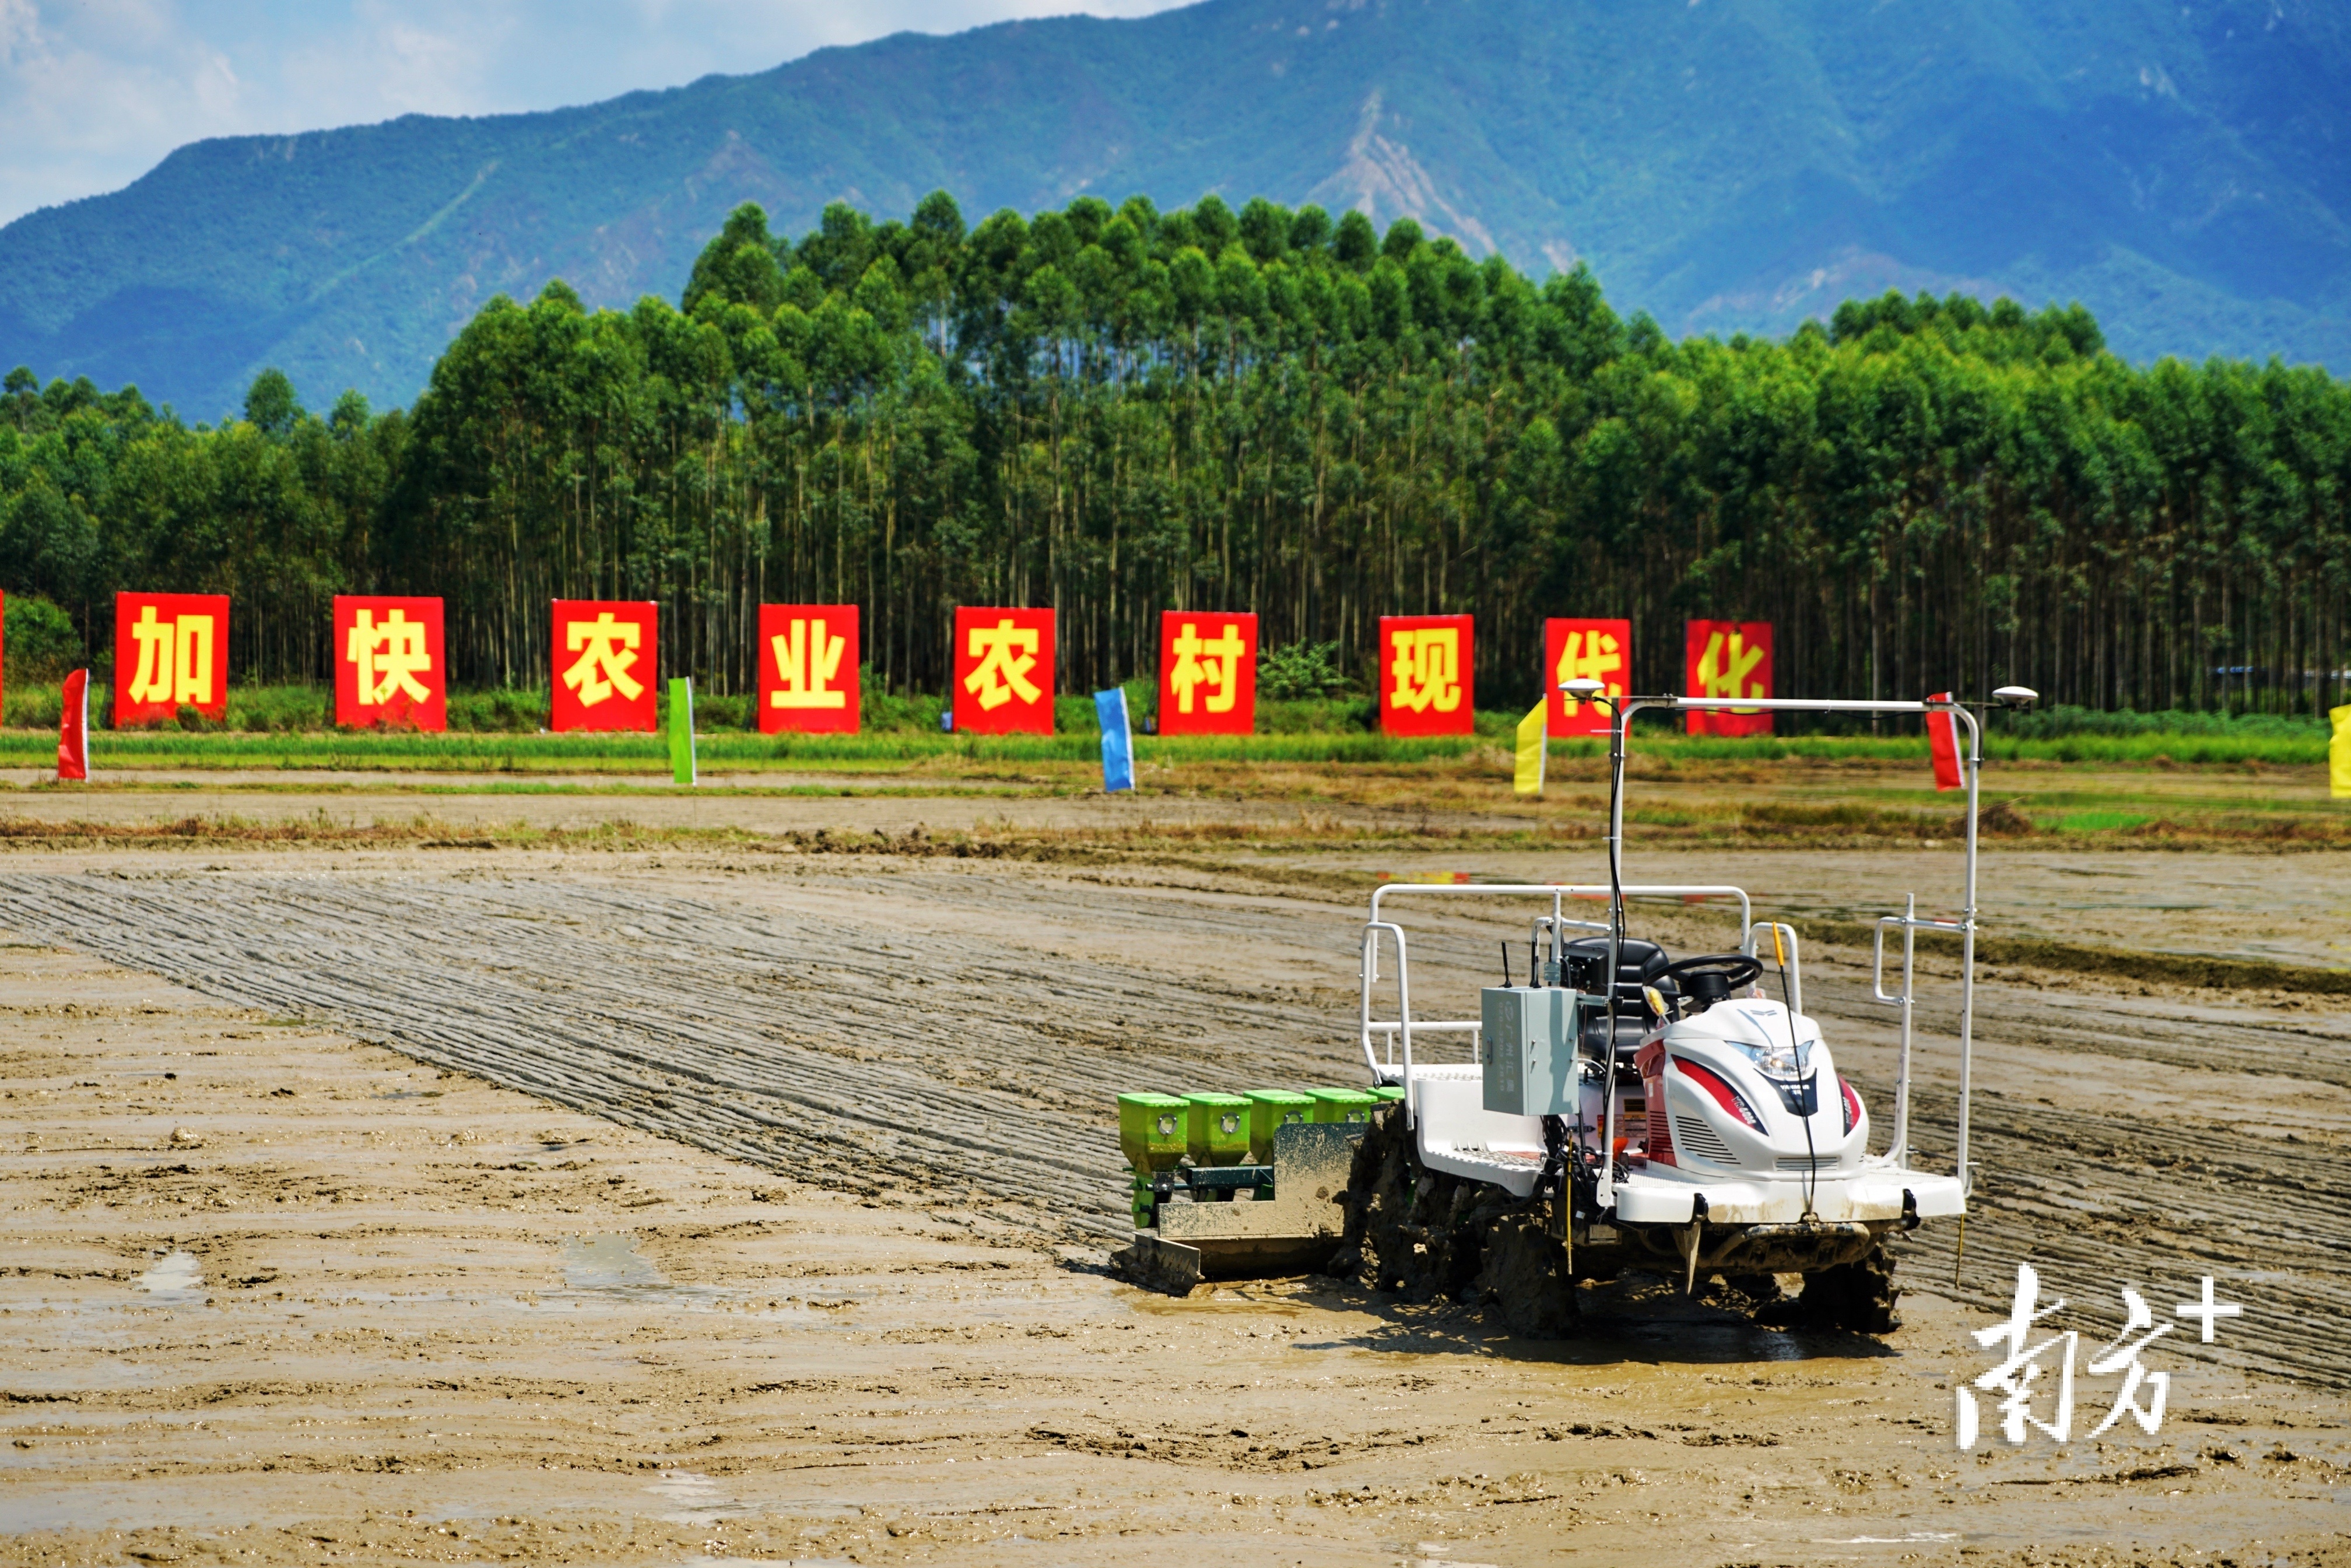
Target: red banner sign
[389,665]
[808,669]
[1585,651]
[1729,659]
[73,728]
[1425,674]
[606,654]
[1003,671]
[1208,673]
[171,651]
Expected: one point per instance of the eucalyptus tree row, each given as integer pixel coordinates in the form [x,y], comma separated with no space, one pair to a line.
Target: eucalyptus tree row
[1117,411]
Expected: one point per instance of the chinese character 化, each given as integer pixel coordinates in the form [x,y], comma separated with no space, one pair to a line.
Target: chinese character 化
[1724,668]
[389,656]
[1426,669]
[808,659]
[608,652]
[175,658]
[1589,657]
[1213,663]
[1006,653]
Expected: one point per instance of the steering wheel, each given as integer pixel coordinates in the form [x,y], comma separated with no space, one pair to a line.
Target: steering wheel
[1732,970]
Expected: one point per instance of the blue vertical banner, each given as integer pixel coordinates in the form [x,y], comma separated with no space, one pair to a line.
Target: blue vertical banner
[1118,740]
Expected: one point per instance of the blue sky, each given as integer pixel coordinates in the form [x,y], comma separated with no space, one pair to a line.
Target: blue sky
[94,92]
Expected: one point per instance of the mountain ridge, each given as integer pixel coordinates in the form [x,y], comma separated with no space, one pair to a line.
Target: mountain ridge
[1726,165]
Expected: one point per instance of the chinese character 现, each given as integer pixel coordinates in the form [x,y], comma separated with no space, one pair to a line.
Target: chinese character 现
[1427,668]
[806,660]
[608,652]
[1006,653]
[1589,657]
[1213,663]
[390,656]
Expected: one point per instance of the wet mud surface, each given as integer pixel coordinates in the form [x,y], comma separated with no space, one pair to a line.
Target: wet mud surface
[803,1260]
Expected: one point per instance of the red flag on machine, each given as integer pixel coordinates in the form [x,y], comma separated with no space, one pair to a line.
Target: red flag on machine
[73,728]
[1943,741]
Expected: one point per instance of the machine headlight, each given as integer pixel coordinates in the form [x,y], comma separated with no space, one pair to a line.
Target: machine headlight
[1779,1060]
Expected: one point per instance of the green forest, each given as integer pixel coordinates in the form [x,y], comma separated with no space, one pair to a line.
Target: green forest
[1116,410]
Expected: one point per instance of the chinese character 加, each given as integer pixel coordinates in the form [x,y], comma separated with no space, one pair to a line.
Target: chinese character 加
[808,658]
[608,652]
[1213,663]
[1006,653]
[175,658]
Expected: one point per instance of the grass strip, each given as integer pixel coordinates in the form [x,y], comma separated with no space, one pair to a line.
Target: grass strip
[2197,970]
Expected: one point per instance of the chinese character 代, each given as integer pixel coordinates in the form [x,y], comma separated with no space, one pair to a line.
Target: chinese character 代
[1589,657]
[608,652]
[806,660]
[1213,663]
[1006,653]
[390,656]
[1426,669]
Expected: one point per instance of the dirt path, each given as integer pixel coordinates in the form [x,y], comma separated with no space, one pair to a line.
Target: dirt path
[390,1312]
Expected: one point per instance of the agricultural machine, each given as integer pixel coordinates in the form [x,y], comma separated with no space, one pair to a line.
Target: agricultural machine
[1621,1109]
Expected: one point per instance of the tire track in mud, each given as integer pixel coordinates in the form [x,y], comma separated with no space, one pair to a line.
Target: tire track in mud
[852,1052]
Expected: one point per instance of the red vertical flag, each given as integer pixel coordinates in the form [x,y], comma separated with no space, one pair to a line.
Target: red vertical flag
[1585,651]
[808,657]
[1003,671]
[1208,673]
[1425,674]
[73,728]
[606,654]
[389,667]
[171,651]
[1943,744]
[1729,659]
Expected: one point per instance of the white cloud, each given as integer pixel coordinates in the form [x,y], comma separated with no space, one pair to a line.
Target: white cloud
[94,92]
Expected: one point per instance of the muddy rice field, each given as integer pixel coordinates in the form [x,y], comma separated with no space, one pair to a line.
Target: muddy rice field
[715,1204]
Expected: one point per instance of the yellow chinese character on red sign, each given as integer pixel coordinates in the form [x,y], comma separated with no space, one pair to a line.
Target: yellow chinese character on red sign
[1424,672]
[1007,653]
[807,661]
[608,652]
[176,659]
[389,656]
[1213,661]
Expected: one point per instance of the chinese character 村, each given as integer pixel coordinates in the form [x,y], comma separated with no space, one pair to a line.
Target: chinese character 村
[1590,656]
[175,658]
[608,652]
[808,659]
[389,657]
[1210,662]
[1723,669]
[1426,669]
[1006,653]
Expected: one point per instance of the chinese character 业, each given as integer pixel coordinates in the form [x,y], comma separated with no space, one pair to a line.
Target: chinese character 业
[608,652]
[806,660]
[1213,663]
[1006,653]
[390,656]
[1426,669]
[176,659]
[1589,657]
[1724,668]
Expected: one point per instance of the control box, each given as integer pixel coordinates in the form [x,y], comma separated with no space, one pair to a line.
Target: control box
[1528,1034]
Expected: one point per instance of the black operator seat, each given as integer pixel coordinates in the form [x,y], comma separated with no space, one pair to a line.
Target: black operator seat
[1640,967]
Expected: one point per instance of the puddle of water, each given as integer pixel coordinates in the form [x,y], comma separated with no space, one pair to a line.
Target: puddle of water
[175,1277]
[607,1262]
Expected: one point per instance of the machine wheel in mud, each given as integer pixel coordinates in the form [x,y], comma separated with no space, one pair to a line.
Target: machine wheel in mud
[1858,1297]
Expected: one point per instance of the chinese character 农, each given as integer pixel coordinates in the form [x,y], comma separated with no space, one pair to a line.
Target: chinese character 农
[1213,662]
[2119,1356]
[1006,653]
[2015,1375]
[1589,657]
[1724,668]
[608,652]
[390,657]
[806,660]
[176,659]
[1426,669]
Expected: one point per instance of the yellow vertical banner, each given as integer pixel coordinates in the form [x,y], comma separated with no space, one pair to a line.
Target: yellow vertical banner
[2339,753]
[1529,779]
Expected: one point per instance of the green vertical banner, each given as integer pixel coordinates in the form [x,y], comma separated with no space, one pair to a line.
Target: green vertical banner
[681,729]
